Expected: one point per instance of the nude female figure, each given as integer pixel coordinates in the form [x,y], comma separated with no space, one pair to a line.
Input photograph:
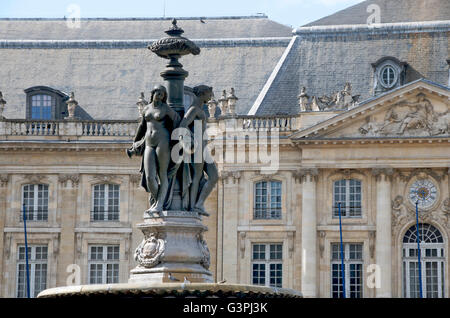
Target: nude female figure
[153,132]
[197,194]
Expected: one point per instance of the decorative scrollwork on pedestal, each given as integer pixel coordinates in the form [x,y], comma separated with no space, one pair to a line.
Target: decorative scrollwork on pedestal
[149,253]
[205,261]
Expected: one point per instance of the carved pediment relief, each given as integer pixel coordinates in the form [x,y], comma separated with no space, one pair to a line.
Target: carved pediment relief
[418,116]
[416,110]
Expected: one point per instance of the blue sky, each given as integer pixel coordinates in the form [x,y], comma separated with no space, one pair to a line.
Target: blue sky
[289,12]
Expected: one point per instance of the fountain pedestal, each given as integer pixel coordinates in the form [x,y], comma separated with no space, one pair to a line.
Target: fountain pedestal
[173,249]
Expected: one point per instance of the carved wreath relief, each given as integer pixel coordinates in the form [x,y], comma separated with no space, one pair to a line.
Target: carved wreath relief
[205,261]
[149,253]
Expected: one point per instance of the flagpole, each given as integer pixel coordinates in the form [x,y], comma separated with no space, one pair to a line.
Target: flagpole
[418,249]
[26,250]
[342,251]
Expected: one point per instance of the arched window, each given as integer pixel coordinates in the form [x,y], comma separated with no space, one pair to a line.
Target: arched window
[347,192]
[432,252]
[105,202]
[35,202]
[267,200]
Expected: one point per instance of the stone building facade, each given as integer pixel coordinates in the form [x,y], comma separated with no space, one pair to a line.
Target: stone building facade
[287,160]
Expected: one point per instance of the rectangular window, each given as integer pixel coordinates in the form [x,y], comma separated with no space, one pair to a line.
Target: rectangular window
[267,264]
[37,265]
[347,192]
[432,270]
[103,264]
[353,267]
[267,200]
[41,106]
[35,202]
[105,202]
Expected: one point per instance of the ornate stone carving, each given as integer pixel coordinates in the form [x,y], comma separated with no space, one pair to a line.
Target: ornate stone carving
[107,178]
[303,100]
[386,172]
[347,173]
[71,106]
[205,261]
[446,209]
[141,103]
[127,245]
[8,240]
[212,106]
[322,235]
[34,178]
[149,253]
[74,178]
[4,179]
[291,244]
[302,174]
[2,105]
[232,99]
[337,101]
[135,179]
[372,236]
[242,243]
[403,214]
[399,211]
[409,118]
[56,245]
[233,175]
[424,173]
[223,103]
[79,244]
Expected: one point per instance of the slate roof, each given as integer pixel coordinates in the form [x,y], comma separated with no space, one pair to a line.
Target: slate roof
[135,28]
[107,65]
[391,11]
[325,58]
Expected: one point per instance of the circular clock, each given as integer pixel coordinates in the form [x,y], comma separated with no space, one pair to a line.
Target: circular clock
[423,191]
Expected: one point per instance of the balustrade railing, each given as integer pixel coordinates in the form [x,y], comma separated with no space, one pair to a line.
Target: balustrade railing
[127,128]
[267,123]
[97,128]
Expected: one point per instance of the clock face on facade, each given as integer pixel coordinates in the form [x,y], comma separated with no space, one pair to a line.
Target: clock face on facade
[423,191]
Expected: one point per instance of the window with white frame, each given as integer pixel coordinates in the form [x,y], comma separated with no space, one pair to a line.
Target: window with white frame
[347,192]
[432,252]
[35,202]
[103,264]
[267,264]
[105,202]
[353,270]
[37,265]
[267,200]
[388,76]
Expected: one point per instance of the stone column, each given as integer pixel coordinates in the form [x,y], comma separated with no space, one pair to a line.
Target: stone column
[309,235]
[230,223]
[383,240]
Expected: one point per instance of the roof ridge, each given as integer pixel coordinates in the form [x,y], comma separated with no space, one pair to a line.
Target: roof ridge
[261,16]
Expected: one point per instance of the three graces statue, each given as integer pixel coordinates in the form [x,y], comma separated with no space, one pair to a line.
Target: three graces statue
[194,176]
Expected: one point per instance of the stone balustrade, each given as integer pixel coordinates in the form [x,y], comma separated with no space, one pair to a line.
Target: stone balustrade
[82,128]
[268,123]
[126,129]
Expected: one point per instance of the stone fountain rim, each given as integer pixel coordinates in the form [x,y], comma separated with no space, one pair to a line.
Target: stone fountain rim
[167,289]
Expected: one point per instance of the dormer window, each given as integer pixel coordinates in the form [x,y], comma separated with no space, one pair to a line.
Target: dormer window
[389,73]
[45,103]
